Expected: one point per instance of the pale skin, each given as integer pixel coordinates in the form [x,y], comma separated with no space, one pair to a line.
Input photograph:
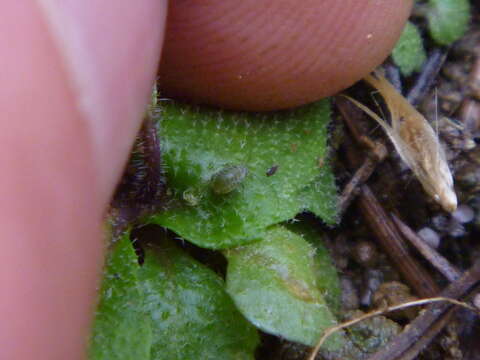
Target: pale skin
[75,79]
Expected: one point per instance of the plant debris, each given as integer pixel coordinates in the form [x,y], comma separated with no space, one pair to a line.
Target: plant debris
[238,272]
[415,141]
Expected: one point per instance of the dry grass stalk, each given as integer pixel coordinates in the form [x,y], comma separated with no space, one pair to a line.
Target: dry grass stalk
[416,142]
[382,311]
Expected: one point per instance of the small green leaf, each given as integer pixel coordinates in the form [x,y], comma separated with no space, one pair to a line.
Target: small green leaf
[122,331]
[325,271]
[219,167]
[193,317]
[409,54]
[275,284]
[448,19]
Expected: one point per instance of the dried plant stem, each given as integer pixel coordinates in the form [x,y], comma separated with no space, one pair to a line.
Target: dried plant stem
[427,76]
[382,311]
[393,75]
[427,336]
[393,244]
[415,141]
[421,329]
[377,219]
[437,260]
[363,173]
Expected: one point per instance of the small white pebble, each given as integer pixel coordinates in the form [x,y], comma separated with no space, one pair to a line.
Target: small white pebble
[430,237]
[469,144]
[456,230]
[464,214]
[441,222]
[476,301]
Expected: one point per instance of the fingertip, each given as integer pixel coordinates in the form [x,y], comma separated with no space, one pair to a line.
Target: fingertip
[59,164]
[262,56]
[110,52]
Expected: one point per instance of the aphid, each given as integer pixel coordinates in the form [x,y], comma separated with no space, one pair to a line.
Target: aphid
[192,197]
[416,142]
[272,170]
[228,179]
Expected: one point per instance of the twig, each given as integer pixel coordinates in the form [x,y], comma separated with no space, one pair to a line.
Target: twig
[393,75]
[380,223]
[392,243]
[468,335]
[427,336]
[377,154]
[363,173]
[351,115]
[377,312]
[427,76]
[423,322]
[437,260]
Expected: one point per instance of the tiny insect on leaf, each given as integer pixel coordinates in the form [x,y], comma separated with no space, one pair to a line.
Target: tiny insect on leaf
[272,170]
[228,179]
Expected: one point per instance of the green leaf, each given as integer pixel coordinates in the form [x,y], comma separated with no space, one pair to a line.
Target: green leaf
[448,19]
[122,330]
[409,54]
[203,147]
[193,317]
[275,284]
[325,272]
